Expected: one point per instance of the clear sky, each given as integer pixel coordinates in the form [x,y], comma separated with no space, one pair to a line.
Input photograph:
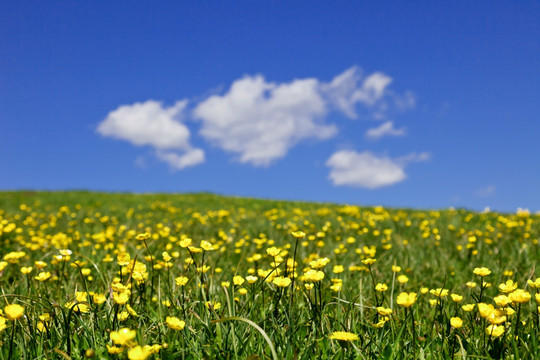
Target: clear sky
[423,104]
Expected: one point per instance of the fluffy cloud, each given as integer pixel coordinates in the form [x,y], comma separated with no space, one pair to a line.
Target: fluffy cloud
[257,120]
[261,121]
[190,158]
[366,170]
[348,89]
[385,129]
[150,123]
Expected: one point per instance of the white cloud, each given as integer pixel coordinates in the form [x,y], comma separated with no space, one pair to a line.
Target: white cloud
[404,102]
[414,157]
[257,120]
[190,158]
[366,170]
[150,123]
[385,129]
[261,121]
[344,91]
[485,191]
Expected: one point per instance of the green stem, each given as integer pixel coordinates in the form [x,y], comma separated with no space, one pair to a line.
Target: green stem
[413,328]
[152,270]
[12,339]
[517,321]
[292,284]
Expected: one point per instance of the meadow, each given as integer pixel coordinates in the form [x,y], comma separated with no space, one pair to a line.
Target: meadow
[200,276]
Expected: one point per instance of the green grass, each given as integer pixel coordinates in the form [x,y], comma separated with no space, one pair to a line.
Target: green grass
[260,320]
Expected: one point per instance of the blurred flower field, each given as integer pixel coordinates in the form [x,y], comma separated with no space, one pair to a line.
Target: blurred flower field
[122,276]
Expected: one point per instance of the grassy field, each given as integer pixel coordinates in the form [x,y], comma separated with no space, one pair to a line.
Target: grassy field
[90,275]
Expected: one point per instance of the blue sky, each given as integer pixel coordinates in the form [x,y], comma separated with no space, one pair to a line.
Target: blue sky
[407,103]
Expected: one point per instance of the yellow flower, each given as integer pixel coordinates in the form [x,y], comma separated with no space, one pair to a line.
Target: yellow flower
[213,305]
[13,257]
[86,272]
[520,296]
[26,269]
[181,281]
[194,249]
[40,264]
[123,259]
[242,291]
[65,252]
[384,311]
[138,353]
[298,234]
[154,349]
[508,286]
[495,330]
[77,307]
[120,298]
[207,246]
[175,323]
[381,287]
[282,281]
[40,326]
[396,268]
[483,271]
[485,309]
[122,316]
[319,263]
[507,311]
[166,257]
[336,287]
[369,261]
[43,276]
[123,336]
[185,242]
[313,276]
[381,323]
[225,283]
[534,284]
[440,293]
[502,300]
[119,287]
[456,297]
[14,311]
[402,279]
[98,298]
[251,279]
[131,311]
[238,280]
[468,307]
[81,296]
[273,251]
[406,300]
[470,284]
[338,269]
[456,322]
[343,336]
[143,236]
[114,349]
[496,317]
